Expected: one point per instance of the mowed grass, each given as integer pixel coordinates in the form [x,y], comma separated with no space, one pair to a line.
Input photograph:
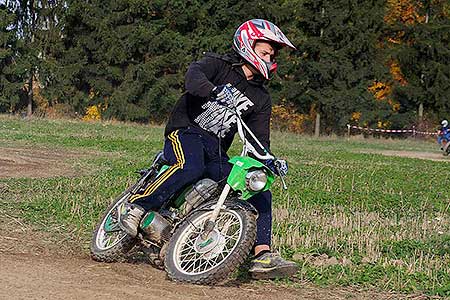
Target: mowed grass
[348,217]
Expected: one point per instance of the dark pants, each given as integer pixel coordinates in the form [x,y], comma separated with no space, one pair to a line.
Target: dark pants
[194,155]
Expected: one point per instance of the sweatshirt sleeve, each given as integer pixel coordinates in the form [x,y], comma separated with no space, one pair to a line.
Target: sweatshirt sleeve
[259,124]
[199,76]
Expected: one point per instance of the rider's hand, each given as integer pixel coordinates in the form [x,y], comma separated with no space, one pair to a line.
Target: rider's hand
[278,166]
[223,94]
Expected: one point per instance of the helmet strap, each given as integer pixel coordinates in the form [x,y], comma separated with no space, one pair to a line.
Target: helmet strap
[252,68]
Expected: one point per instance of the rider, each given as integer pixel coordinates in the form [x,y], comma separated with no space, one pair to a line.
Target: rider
[199,132]
[443,134]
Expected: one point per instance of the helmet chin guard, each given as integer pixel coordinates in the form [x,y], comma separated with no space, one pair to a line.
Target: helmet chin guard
[272,66]
[249,33]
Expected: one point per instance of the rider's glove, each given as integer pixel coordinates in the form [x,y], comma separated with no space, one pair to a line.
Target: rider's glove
[223,94]
[278,166]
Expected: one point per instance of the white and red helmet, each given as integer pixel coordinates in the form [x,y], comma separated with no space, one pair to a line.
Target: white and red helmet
[255,30]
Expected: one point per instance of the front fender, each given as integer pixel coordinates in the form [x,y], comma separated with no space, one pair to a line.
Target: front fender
[230,204]
[241,166]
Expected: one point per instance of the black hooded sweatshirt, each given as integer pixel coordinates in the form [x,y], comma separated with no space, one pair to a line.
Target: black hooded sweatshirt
[196,108]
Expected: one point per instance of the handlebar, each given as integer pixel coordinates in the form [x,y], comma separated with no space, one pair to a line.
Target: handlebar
[247,146]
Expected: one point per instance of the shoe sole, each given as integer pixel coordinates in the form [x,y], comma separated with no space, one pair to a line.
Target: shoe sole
[273,273]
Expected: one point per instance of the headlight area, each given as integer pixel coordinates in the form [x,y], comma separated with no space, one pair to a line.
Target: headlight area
[256,180]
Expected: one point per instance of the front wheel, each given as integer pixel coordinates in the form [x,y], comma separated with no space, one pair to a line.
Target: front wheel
[109,242]
[190,258]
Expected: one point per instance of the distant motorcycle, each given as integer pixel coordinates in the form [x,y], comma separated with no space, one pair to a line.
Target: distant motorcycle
[444,141]
[206,231]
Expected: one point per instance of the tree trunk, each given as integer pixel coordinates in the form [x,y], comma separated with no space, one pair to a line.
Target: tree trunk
[420,113]
[30,96]
[30,82]
[323,15]
[317,125]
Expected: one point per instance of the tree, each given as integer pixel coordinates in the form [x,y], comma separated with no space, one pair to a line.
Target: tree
[130,56]
[421,47]
[27,23]
[10,75]
[125,55]
[367,62]
[340,59]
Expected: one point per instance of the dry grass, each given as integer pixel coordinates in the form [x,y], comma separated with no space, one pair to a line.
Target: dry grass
[350,234]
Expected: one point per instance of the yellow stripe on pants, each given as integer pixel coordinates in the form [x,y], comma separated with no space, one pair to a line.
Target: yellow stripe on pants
[179,155]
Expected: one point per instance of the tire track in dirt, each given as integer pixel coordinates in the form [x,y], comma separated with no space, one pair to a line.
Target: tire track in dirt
[32,162]
[36,277]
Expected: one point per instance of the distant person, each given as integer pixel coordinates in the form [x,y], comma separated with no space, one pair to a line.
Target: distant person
[443,135]
[198,136]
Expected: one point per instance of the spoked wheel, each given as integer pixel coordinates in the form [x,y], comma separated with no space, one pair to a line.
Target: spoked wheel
[446,148]
[191,258]
[109,243]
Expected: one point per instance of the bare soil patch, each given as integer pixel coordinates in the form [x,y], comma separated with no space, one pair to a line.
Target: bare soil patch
[436,156]
[25,277]
[32,162]
[47,265]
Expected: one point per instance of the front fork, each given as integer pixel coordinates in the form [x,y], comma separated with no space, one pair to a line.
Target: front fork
[211,222]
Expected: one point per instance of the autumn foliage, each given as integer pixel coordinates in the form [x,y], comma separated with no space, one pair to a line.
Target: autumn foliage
[403,11]
[286,117]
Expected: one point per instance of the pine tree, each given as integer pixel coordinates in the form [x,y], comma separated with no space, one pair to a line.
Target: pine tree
[11,77]
[125,55]
[339,60]
[130,56]
[422,48]
[26,24]
[368,62]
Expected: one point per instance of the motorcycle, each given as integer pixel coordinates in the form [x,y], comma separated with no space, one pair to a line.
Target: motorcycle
[444,141]
[205,232]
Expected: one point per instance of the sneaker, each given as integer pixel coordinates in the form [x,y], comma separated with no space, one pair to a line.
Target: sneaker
[129,222]
[270,266]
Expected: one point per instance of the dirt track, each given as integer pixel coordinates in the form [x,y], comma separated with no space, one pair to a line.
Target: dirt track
[34,265]
[436,156]
[37,277]
[37,265]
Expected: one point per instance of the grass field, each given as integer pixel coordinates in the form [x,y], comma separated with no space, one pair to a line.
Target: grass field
[348,218]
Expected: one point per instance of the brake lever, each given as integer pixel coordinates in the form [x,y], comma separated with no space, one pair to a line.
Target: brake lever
[282,178]
[284,183]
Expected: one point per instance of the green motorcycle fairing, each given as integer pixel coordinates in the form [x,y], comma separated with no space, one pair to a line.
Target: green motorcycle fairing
[237,177]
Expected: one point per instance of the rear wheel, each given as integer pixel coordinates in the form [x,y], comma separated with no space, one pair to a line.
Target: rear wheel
[446,148]
[206,261]
[109,242]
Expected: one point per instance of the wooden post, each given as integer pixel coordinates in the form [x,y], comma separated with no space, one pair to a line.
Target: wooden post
[420,112]
[30,96]
[317,126]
